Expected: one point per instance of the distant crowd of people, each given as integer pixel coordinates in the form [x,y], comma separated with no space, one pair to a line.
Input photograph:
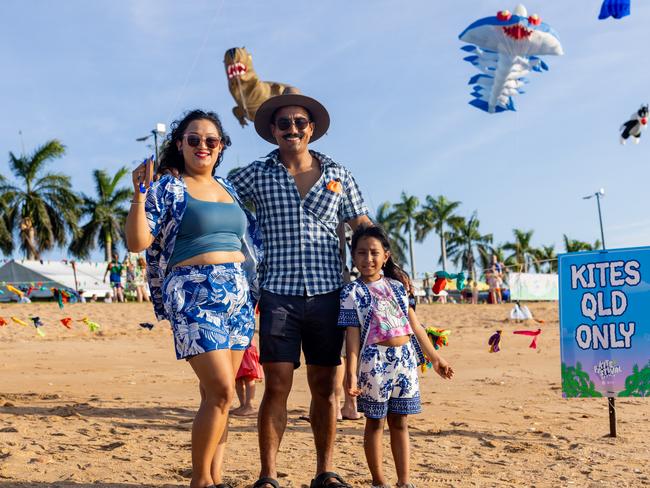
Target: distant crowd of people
[134,269]
[494,276]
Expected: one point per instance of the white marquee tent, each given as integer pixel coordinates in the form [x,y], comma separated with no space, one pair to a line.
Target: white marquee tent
[57,274]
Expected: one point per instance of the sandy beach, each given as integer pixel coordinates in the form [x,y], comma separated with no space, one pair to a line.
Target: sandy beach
[114,409]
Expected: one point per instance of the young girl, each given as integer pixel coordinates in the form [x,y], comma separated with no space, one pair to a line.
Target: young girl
[385,344]
[250,372]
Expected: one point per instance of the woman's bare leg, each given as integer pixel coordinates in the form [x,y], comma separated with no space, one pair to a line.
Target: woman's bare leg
[217,383]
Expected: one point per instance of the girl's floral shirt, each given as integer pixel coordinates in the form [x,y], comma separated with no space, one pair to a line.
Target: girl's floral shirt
[358,305]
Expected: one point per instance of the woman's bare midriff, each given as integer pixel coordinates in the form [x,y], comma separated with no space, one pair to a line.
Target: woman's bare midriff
[395,341]
[216,257]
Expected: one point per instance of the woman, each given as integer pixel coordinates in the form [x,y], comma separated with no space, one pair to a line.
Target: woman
[136,276]
[114,270]
[193,227]
[140,280]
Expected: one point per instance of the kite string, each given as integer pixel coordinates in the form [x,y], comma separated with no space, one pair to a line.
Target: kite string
[196,59]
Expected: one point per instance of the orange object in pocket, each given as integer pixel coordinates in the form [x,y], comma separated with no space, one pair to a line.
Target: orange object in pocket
[335,186]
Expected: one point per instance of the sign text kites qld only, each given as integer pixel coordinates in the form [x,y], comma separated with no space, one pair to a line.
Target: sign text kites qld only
[605,323]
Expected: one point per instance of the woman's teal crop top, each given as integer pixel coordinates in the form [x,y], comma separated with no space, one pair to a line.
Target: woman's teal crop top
[207,227]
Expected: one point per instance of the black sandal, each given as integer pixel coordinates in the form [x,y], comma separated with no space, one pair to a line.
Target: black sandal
[266,481]
[223,485]
[320,481]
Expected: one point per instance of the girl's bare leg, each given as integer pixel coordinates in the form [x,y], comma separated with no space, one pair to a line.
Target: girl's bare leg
[372,446]
[400,446]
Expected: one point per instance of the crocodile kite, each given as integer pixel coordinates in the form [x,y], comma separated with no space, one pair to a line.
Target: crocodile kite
[506,48]
[245,86]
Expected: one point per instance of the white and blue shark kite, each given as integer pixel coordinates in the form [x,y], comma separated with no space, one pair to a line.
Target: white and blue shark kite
[506,48]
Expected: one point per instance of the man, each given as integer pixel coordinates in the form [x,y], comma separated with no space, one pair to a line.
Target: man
[300,197]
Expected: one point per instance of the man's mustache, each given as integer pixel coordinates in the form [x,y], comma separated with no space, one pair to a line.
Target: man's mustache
[299,135]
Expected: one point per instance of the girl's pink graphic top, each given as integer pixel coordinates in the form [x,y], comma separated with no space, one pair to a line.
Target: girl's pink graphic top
[387,319]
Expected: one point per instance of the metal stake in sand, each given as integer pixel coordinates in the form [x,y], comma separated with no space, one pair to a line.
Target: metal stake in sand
[610,400]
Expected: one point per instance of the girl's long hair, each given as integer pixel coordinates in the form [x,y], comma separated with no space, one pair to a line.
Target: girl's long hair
[171,157]
[391,269]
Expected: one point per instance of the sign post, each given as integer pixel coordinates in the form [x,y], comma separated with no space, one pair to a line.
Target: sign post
[604,325]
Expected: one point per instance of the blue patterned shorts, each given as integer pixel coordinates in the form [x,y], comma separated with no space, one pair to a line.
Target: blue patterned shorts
[210,308]
[388,379]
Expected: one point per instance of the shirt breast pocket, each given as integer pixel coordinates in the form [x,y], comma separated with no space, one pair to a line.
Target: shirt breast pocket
[324,204]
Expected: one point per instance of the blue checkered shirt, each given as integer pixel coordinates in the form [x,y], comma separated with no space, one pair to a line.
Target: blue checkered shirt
[301,247]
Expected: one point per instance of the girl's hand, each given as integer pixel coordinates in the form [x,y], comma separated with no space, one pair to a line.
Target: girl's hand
[351,385]
[443,368]
[142,176]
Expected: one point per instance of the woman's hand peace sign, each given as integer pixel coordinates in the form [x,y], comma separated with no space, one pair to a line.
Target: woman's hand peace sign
[143,176]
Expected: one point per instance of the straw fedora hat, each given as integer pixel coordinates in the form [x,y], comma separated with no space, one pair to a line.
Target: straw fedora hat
[291,97]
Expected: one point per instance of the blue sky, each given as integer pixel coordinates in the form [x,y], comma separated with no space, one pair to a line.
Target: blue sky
[99,74]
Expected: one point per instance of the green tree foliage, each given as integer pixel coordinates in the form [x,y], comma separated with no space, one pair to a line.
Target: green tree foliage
[6,239]
[106,215]
[522,252]
[466,242]
[545,259]
[403,216]
[385,218]
[574,245]
[437,215]
[638,383]
[41,205]
[576,383]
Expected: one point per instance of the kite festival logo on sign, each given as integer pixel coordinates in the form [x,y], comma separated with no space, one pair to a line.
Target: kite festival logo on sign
[604,317]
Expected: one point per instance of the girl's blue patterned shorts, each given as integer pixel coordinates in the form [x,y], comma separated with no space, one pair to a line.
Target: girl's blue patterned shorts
[210,308]
[388,379]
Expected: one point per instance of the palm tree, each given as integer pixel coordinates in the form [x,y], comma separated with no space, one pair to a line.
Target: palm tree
[437,214]
[403,215]
[465,242]
[522,251]
[106,213]
[44,205]
[574,245]
[6,239]
[398,244]
[545,258]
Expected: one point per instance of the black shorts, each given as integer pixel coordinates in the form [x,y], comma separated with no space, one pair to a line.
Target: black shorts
[288,321]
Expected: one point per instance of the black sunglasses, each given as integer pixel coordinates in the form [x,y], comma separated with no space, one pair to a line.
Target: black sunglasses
[284,123]
[194,140]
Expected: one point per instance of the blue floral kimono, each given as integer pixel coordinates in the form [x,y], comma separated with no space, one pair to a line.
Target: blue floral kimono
[165,206]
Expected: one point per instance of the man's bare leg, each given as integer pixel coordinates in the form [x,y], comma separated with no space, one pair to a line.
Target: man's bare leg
[272,417]
[322,383]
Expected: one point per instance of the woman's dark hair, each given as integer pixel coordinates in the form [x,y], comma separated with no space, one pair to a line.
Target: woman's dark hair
[171,157]
[391,269]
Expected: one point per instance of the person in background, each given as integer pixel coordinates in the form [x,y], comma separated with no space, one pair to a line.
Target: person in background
[250,372]
[114,270]
[140,279]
